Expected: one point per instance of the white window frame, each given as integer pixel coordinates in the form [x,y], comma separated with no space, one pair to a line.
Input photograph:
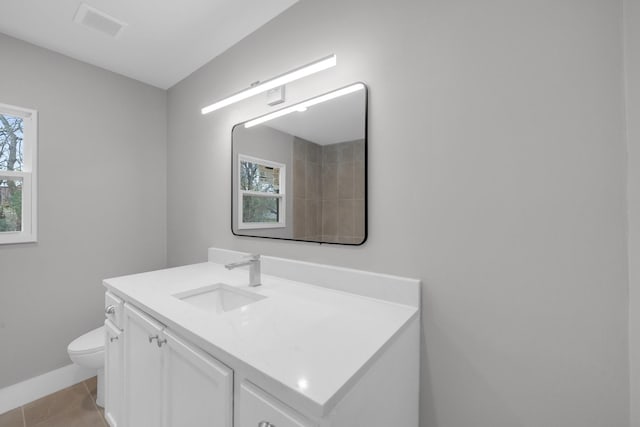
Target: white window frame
[282,205]
[28,174]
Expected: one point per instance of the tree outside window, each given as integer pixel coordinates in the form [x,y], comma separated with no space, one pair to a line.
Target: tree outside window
[11,159]
[18,168]
[261,193]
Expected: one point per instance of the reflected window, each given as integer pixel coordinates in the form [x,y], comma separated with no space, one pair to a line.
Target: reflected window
[261,193]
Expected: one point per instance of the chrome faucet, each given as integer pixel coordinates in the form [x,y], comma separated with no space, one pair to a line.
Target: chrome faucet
[253,261]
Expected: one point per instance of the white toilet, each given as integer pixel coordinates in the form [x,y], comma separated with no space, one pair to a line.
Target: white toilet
[88,351]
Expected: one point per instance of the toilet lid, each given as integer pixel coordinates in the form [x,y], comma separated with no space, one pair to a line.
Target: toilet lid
[90,342]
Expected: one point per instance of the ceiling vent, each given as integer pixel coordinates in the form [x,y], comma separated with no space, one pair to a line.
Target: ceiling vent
[98,20]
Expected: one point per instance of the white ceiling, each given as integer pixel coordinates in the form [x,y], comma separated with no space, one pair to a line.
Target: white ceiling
[338,120]
[164,41]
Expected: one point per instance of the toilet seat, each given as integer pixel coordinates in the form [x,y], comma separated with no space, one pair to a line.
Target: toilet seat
[91,342]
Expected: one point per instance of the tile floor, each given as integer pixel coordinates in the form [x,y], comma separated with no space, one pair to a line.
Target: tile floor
[72,407]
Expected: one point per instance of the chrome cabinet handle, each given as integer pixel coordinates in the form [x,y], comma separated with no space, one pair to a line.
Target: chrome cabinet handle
[112,339]
[265,424]
[110,309]
[158,340]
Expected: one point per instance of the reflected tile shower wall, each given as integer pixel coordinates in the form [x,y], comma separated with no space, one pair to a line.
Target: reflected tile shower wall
[329,190]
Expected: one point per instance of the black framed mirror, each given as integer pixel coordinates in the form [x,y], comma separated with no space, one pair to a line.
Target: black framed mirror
[300,173]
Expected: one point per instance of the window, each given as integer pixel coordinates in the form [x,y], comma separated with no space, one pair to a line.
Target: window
[18,150]
[261,193]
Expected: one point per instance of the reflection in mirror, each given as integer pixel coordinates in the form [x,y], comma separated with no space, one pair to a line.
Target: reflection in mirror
[300,173]
[263,202]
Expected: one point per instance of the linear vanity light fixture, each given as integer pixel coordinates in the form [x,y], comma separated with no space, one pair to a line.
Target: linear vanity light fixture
[302,106]
[298,73]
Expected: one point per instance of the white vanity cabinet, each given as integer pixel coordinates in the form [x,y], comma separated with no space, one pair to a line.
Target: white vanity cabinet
[142,370]
[197,389]
[167,382]
[343,351]
[114,366]
[114,374]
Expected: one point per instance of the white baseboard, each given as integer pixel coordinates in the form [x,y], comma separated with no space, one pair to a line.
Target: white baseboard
[32,389]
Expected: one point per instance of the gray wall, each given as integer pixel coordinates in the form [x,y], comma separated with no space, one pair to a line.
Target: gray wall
[632,39]
[102,202]
[497,176]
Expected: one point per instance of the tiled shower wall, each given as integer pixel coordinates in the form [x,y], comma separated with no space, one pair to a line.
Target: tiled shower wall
[307,193]
[329,188]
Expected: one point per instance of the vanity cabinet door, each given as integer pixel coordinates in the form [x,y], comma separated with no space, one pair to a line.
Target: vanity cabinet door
[197,388]
[142,370]
[113,374]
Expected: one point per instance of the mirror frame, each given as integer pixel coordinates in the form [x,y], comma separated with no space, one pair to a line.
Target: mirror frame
[366,174]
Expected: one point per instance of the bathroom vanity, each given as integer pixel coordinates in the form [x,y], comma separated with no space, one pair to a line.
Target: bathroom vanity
[314,345]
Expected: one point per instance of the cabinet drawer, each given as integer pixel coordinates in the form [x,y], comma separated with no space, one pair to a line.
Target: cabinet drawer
[113,309]
[257,408]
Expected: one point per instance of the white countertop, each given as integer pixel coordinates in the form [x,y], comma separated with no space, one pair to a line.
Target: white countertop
[312,340]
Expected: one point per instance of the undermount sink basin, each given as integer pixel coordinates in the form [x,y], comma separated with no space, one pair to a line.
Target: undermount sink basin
[218,298]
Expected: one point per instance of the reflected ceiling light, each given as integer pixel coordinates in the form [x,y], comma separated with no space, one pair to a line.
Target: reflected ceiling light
[302,106]
[298,73]
[303,384]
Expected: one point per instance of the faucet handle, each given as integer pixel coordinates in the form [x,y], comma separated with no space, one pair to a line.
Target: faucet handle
[254,257]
